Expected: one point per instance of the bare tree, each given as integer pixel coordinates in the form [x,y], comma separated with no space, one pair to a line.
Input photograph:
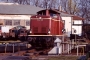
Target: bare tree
[72,6]
[64,4]
[84,7]
[36,3]
[69,6]
[45,3]
[22,1]
[53,4]
[7,0]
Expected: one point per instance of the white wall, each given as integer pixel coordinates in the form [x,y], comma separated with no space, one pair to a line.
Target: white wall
[67,25]
[16,17]
[76,27]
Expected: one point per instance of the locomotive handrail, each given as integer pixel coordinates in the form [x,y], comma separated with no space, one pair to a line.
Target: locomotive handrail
[47,19]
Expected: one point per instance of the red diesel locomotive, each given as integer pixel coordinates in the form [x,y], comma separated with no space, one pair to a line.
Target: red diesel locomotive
[44,27]
[46,22]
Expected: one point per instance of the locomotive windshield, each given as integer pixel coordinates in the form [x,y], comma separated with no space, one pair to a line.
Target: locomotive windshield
[53,15]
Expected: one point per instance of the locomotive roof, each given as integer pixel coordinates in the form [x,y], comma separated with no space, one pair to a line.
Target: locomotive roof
[50,10]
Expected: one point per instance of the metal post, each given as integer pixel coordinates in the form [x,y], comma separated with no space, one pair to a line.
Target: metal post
[5,47]
[57,48]
[77,50]
[75,39]
[63,47]
[63,44]
[68,48]
[13,48]
[83,50]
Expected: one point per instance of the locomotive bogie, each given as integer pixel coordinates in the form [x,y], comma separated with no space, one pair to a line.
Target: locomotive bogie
[40,42]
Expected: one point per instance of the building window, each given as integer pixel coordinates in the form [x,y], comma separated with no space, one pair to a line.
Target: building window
[8,22]
[16,22]
[77,22]
[27,23]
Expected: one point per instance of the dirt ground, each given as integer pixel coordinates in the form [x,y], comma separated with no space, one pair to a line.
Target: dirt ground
[63,58]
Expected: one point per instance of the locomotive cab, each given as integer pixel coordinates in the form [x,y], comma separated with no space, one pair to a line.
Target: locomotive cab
[46,22]
[50,13]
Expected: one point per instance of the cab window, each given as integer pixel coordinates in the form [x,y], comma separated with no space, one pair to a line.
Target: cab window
[53,15]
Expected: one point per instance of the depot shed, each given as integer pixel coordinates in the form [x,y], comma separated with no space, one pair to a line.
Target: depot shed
[13,14]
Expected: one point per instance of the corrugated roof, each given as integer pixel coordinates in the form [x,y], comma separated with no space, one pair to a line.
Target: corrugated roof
[74,17]
[77,18]
[18,9]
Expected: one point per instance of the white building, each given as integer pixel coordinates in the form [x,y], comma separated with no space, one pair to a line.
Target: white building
[72,23]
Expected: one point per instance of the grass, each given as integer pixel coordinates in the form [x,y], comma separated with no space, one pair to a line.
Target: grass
[63,58]
[9,41]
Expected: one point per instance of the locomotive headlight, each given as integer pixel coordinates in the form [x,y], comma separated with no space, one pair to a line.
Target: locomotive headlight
[30,31]
[40,18]
[64,30]
[49,31]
